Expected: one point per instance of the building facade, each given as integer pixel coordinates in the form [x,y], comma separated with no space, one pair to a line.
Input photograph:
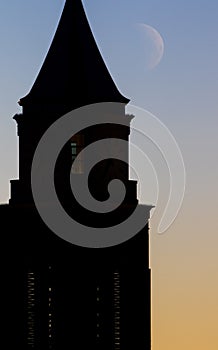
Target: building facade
[59,295]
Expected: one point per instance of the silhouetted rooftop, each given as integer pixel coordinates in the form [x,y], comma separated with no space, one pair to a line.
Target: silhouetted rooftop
[73,72]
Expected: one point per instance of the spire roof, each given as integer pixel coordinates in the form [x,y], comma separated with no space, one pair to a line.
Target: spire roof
[73,73]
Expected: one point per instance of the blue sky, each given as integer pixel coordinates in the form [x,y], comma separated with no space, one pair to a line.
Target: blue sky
[181,91]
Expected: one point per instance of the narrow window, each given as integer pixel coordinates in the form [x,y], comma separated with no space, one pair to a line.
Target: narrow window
[50,310]
[31,309]
[116,278]
[77,145]
[98,330]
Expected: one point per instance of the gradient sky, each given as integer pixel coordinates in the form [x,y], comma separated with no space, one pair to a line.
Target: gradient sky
[182,92]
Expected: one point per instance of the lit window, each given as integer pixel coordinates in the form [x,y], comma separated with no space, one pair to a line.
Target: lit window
[77,145]
[73,150]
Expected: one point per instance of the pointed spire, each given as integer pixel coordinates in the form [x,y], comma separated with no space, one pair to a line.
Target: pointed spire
[73,73]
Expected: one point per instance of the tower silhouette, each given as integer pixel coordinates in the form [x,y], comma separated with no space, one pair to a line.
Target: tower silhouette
[60,295]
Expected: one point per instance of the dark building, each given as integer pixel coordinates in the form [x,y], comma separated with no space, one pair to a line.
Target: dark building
[57,295]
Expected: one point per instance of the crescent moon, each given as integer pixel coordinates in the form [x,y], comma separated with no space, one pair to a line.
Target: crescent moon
[155,45]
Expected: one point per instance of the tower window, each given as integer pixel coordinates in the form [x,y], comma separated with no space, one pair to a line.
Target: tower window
[73,150]
[31,309]
[116,278]
[77,145]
